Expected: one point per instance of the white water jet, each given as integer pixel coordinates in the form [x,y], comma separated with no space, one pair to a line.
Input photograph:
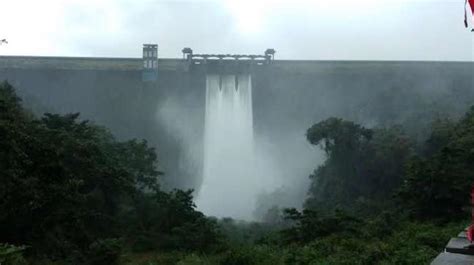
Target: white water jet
[230,181]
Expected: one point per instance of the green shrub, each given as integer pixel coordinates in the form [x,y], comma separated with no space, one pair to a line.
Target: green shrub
[12,255]
[253,255]
[105,251]
[194,259]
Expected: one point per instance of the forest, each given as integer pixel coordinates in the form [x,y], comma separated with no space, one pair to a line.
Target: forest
[72,193]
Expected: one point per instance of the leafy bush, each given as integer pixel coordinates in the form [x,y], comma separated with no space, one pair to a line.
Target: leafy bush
[253,255]
[67,183]
[438,186]
[12,255]
[194,259]
[105,251]
[310,225]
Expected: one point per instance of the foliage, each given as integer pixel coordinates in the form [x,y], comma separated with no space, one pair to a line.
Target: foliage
[170,221]
[69,187]
[364,169]
[337,136]
[438,186]
[12,255]
[105,251]
[239,233]
[310,225]
[362,166]
[76,195]
[194,259]
[253,255]
[406,242]
[153,258]
[441,131]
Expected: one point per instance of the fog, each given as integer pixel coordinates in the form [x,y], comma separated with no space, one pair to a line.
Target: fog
[343,71]
[330,30]
[236,132]
[286,104]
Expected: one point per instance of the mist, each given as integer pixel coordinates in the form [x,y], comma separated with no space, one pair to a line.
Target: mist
[366,30]
[236,132]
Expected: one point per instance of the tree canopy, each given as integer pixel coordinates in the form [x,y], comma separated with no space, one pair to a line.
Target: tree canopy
[362,164]
[69,187]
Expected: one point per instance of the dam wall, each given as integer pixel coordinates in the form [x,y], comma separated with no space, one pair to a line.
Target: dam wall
[288,97]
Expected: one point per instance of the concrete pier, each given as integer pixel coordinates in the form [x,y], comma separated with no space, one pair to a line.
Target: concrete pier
[458,251]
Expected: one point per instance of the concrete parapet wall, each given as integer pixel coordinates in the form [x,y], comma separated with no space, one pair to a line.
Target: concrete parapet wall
[167,64]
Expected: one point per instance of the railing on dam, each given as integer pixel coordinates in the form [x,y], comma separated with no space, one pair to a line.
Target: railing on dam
[234,63]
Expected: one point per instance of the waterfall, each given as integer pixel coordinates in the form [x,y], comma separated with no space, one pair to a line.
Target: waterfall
[230,183]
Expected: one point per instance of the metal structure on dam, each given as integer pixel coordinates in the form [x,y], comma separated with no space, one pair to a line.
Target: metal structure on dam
[125,94]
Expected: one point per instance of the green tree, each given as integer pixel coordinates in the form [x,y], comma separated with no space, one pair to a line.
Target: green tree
[438,186]
[362,166]
[70,190]
[341,140]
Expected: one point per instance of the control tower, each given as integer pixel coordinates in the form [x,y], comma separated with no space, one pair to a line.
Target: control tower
[150,62]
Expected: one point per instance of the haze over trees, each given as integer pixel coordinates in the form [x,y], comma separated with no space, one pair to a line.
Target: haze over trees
[71,193]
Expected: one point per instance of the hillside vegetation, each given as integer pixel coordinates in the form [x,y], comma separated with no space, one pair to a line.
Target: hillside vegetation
[71,193]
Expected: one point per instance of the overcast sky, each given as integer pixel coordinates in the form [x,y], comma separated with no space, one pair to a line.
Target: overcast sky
[312,29]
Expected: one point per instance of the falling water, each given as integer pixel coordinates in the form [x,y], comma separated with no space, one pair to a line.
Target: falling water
[230,184]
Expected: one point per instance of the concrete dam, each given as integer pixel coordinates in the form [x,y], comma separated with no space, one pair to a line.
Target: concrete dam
[166,102]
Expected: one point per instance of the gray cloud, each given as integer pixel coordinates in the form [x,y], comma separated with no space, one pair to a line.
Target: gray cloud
[346,30]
